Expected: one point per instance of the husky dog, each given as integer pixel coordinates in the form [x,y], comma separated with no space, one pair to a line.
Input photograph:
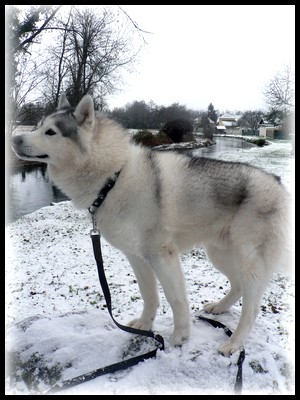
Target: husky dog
[164,203]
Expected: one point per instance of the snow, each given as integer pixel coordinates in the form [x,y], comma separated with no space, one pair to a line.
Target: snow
[58,327]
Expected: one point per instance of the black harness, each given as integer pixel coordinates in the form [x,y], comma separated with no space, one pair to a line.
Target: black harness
[95,236]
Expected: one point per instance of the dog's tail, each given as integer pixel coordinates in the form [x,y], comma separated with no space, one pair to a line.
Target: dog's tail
[284,233]
[269,208]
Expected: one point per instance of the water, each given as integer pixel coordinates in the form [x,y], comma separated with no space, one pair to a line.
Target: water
[223,145]
[31,189]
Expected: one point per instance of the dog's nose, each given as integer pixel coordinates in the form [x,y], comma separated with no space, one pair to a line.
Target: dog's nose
[17,140]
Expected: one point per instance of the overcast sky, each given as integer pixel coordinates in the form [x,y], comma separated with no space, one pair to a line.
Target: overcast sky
[220,54]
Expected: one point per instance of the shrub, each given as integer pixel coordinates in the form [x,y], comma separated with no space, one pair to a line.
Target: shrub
[260,142]
[176,128]
[143,137]
[149,139]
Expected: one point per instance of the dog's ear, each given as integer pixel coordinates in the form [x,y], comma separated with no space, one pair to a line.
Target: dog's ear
[63,102]
[85,111]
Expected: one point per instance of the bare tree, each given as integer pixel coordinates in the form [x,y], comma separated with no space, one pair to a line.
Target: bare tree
[22,29]
[90,54]
[251,119]
[27,30]
[55,68]
[280,92]
[89,49]
[26,81]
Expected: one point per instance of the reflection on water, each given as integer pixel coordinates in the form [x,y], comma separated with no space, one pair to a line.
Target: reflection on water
[31,189]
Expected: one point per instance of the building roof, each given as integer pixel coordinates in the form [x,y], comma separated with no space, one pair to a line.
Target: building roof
[229,119]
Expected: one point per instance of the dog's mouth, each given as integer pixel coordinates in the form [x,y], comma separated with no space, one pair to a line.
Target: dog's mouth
[24,150]
[27,156]
[43,156]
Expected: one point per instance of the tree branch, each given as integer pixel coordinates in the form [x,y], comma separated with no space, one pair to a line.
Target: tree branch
[20,46]
[135,24]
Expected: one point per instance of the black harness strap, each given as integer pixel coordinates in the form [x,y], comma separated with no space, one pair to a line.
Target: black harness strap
[95,236]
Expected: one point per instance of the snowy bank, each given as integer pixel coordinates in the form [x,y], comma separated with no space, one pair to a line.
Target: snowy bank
[58,327]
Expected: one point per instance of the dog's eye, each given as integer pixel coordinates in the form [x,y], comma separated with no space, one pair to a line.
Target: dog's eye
[50,132]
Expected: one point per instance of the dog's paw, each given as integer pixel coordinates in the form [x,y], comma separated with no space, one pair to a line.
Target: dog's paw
[139,323]
[178,338]
[214,308]
[228,348]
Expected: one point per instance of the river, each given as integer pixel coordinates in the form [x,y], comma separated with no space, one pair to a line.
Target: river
[30,189]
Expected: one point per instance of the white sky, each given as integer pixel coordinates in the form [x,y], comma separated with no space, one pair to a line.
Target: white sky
[200,54]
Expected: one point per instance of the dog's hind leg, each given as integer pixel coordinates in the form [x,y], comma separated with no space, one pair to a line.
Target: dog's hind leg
[224,261]
[224,304]
[147,282]
[252,291]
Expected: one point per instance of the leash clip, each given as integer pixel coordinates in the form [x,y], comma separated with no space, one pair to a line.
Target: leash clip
[95,231]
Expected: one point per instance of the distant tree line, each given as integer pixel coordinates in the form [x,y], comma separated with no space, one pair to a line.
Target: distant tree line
[142,115]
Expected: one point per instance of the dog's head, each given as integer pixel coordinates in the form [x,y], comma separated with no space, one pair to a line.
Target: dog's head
[56,136]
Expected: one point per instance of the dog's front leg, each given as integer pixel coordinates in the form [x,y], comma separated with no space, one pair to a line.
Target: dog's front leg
[168,270]
[147,282]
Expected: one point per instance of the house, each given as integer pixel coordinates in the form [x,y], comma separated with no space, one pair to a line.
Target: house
[228,123]
[217,127]
[267,129]
[229,120]
[220,127]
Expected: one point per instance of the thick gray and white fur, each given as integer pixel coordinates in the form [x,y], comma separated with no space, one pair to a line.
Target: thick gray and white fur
[165,203]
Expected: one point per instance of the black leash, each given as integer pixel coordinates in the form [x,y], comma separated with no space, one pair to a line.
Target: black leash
[238,386]
[95,236]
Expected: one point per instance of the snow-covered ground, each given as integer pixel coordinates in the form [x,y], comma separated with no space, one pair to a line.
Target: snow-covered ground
[57,325]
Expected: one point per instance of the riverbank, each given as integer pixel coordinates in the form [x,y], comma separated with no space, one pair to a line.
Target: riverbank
[186,146]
